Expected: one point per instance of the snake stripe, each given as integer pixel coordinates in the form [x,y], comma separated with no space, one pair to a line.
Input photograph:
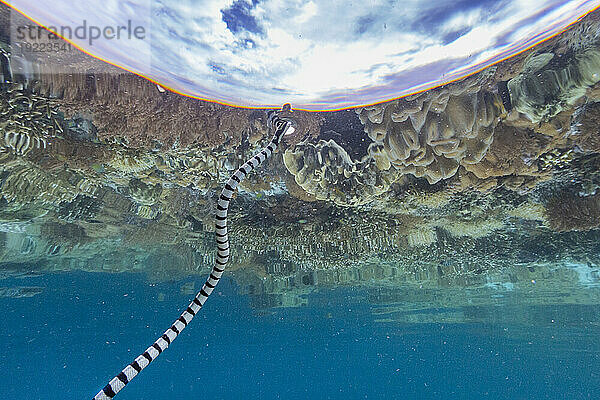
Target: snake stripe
[279,127]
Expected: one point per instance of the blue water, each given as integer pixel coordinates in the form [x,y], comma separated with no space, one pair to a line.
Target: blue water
[68,341]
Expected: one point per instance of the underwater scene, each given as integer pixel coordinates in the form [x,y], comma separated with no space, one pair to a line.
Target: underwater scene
[393,200]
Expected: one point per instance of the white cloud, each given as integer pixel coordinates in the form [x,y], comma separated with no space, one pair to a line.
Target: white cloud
[318,48]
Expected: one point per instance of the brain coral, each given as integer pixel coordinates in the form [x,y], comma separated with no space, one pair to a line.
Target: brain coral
[431,134]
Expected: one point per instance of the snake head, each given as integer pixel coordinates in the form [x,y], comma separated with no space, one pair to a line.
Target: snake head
[280,120]
[287,107]
[291,128]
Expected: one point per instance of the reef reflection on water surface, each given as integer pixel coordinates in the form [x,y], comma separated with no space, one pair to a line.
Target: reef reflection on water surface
[458,197]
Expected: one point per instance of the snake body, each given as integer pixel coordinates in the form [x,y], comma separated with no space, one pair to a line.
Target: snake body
[280,127]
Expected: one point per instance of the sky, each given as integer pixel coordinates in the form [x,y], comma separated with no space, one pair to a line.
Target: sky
[316,54]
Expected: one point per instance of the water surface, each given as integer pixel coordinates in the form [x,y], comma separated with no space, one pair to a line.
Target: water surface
[335,347]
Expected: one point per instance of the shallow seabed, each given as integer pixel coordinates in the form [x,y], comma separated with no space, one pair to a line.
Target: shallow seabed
[343,344]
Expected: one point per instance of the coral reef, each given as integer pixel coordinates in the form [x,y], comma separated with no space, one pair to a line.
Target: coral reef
[511,153]
[421,236]
[545,88]
[474,228]
[569,212]
[26,183]
[587,135]
[27,121]
[127,107]
[143,194]
[64,234]
[326,171]
[131,163]
[81,208]
[511,161]
[431,134]
[529,211]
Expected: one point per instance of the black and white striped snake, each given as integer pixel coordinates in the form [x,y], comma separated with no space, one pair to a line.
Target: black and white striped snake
[280,127]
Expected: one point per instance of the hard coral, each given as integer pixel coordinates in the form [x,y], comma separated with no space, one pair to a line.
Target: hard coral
[326,171]
[431,134]
[547,85]
[508,154]
[588,135]
[569,212]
